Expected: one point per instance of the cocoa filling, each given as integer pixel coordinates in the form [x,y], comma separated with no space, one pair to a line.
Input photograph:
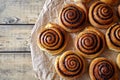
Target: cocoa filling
[87,50]
[110,37]
[100,16]
[61,45]
[70,75]
[103,70]
[78,17]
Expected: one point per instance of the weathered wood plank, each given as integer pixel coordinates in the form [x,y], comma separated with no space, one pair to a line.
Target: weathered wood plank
[16,67]
[15,37]
[20,11]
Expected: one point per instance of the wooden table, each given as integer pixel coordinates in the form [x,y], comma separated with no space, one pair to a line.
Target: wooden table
[17,18]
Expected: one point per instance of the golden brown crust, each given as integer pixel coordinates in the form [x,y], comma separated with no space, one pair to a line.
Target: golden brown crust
[84,1]
[70,65]
[111,2]
[113,37]
[52,39]
[101,15]
[118,61]
[73,17]
[103,69]
[119,11]
[90,43]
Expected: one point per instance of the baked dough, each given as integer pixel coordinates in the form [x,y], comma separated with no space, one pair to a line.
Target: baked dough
[119,11]
[84,1]
[73,17]
[113,37]
[70,65]
[90,43]
[103,69]
[52,39]
[101,15]
[111,2]
[118,60]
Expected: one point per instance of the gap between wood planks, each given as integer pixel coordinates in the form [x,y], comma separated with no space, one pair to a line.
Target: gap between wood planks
[20,11]
[20,15]
[15,38]
[16,67]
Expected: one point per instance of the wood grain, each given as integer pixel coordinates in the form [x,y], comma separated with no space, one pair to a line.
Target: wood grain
[20,11]
[16,67]
[15,38]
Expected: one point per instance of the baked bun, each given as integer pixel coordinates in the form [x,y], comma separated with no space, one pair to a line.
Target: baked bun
[118,60]
[52,39]
[90,43]
[73,18]
[70,65]
[119,11]
[81,1]
[101,15]
[111,2]
[103,69]
[113,37]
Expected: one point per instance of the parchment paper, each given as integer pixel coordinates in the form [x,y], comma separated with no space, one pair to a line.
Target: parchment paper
[43,63]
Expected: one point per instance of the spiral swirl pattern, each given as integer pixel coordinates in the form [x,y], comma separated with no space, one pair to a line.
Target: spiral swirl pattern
[73,17]
[114,35]
[70,65]
[103,70]
[101,14]
[51,39]
[89,43]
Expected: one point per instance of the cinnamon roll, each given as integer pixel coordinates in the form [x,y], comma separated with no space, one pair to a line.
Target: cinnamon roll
[83,1]
[111,2]
[101,15]
[90,43]
[103,69]
[119,10]
[118,60]
[113,37]
[70,65]
[73,18]
[52,39]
